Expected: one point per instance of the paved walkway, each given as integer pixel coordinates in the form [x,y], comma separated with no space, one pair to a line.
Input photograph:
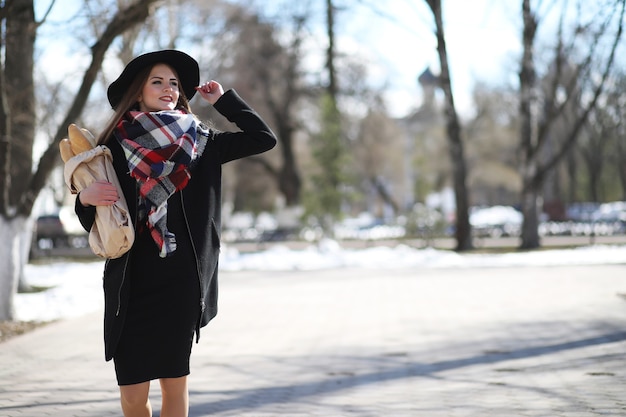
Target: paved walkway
[499,342]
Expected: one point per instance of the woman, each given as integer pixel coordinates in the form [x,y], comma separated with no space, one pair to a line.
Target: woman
[161,292]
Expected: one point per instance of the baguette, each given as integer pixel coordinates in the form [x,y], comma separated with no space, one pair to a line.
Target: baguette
[65,149]
[78,141]
[89,136]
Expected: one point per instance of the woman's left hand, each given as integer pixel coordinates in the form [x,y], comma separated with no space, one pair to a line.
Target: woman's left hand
[211,91]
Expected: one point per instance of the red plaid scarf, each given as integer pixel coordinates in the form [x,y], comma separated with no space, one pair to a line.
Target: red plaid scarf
[159,147]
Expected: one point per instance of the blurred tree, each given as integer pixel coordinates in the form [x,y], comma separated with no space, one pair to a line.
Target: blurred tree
[463,232]
[492,148]
[617,101]
[572,80]
[325,199]
[602,148]
[378,160]
[19,184]
[263,56]
[263,62]
[592,147]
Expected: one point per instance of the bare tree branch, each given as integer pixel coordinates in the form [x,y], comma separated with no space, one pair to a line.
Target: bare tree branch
[580,122]
[47,13]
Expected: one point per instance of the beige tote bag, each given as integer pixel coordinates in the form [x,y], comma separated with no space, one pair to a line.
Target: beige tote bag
[112,234]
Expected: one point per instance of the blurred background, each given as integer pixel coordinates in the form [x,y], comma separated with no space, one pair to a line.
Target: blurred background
[399,120]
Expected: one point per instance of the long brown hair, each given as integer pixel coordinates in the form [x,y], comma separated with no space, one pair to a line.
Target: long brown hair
[128,102]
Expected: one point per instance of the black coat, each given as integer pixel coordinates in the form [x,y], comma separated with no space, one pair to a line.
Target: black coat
[201,205]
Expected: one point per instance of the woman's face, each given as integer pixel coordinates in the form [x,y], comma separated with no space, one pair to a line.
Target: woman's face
[160,92]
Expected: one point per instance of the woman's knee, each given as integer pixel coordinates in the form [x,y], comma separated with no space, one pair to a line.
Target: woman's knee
[135,394]
[174,386]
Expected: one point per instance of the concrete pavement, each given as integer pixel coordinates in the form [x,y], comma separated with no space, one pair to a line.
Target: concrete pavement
[484,342]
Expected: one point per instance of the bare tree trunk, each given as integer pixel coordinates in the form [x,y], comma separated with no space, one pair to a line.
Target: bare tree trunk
[530,225]
[20,95]
[535,128]
[459,171]
[289,181]
[330,51]
[18,131]
[530,211]
[12,264]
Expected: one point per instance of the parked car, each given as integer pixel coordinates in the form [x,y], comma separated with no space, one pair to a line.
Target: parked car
[58,232]
[49,232]
[495,221]
[581,212]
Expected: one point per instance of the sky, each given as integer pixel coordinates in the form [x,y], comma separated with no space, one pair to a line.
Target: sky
[75,288]
[482,39]
[395,38]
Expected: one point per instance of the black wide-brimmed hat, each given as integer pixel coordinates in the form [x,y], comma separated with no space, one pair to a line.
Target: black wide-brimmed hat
[185,66]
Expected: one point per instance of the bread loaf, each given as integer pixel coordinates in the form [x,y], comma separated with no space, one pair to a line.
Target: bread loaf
[65,149]
[89,136]
[78,141]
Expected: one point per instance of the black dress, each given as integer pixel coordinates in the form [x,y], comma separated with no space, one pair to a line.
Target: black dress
[163,308]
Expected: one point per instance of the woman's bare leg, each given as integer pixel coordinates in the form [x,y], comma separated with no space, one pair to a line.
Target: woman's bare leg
[135,400]
[175,397]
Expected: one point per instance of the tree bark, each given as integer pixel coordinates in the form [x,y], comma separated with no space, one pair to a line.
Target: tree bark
[527,76]
[17,126]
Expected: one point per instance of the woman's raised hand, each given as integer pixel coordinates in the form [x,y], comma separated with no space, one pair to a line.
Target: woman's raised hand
[211,91]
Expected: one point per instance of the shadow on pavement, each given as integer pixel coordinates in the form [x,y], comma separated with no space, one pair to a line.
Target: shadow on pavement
[401,368]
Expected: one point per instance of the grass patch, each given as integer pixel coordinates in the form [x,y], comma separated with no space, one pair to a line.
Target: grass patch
[11,329]
[33,289]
